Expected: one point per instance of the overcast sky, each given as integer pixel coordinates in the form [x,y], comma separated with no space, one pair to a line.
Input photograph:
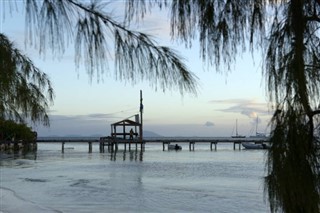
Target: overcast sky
[84,108]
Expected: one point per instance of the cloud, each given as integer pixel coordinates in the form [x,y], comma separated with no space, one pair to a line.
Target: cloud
[230,101]
[247,107]
[84,124]
[209,124]
[92,116]
[188,130]
[102,115]
[250,113]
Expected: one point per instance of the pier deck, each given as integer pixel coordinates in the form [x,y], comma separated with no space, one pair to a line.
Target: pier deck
[112,143]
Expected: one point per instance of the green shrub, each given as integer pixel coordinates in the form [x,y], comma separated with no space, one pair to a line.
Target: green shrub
[11,130]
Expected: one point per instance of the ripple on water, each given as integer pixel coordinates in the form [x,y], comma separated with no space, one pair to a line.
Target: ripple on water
[35,180]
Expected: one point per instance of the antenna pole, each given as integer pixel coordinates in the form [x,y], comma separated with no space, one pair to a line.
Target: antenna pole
[141,118]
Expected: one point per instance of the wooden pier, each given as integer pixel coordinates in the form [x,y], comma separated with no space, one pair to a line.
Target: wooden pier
[113,144]
[211,142]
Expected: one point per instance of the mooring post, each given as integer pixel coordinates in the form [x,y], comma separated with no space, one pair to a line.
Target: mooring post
[90,147]
[62,148]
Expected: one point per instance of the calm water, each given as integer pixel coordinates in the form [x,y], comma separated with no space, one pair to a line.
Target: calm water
[225,180]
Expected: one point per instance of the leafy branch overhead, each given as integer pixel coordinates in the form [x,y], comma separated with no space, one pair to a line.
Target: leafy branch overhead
[92,30]
[25,91]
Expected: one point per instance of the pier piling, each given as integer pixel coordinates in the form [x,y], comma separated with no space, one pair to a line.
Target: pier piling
[234,144]
[215,145]
[62,147]
[191,144]
[113,143]
[90,147]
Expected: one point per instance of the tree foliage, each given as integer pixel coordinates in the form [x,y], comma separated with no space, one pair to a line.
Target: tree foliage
[287,33]
[11,130]
[54,24]
[25,91]
[293,72]
[97,36]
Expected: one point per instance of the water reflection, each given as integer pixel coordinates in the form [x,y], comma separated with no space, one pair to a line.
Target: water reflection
[123,155]
[136,155]
[10,154]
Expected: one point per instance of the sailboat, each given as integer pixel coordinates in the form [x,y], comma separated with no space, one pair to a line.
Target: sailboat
[237,135]
[258,134]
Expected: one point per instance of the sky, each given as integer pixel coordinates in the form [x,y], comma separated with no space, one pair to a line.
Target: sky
[85,108]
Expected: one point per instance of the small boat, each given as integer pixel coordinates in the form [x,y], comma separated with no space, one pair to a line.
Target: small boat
[69,148]
[174,147]
[237,135]
[255,145]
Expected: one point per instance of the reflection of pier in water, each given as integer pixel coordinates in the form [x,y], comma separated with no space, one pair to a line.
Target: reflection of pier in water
[112,144]
[135,155]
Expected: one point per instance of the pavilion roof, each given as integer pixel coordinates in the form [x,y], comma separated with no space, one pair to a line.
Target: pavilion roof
[126,122]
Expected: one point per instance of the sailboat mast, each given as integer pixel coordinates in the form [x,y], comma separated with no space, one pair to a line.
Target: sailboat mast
[257,125]
[236,127]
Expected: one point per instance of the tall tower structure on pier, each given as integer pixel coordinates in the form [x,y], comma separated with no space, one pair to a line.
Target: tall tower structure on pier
[141,118]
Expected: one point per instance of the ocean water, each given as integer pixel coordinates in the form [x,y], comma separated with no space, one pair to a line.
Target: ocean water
[225,180]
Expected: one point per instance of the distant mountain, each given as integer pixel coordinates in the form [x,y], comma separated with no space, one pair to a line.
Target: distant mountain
[96,135]
[72,136]
[148,134]
[151,134]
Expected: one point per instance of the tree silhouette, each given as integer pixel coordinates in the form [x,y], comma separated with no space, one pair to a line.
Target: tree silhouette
[25,91]
[54,24]
[287,34]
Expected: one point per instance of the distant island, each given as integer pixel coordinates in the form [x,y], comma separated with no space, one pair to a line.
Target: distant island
[148,134]
[151,134]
